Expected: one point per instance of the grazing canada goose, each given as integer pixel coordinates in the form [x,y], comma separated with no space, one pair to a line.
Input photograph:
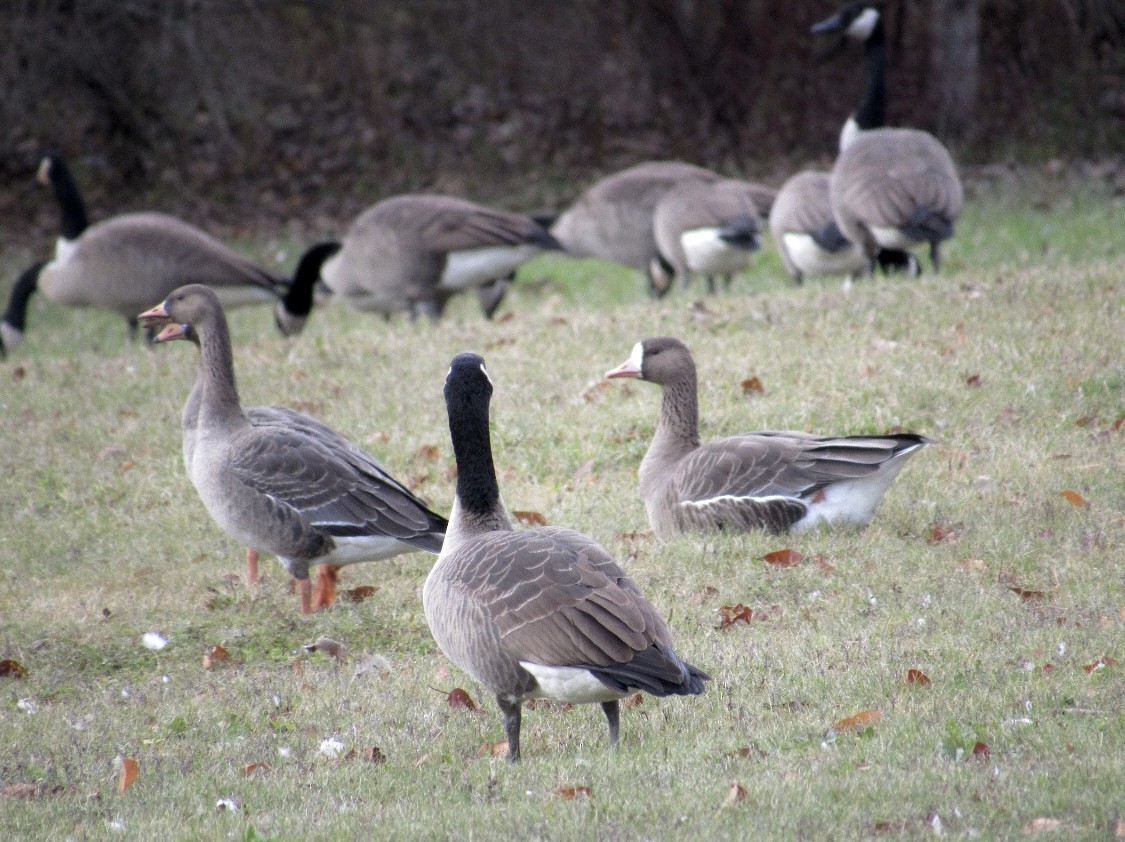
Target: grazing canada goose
[414,252]
[541,613]
[277,481]
[613,219]
[708,228]
[890,188]
[771,480]
[126,262]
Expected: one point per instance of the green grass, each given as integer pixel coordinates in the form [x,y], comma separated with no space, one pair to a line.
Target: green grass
[1012,360]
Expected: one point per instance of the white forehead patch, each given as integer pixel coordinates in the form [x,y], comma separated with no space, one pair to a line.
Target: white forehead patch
[864,24]
[637,356]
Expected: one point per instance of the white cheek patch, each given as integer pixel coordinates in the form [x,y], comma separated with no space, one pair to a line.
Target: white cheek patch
[864,24]
[484,371]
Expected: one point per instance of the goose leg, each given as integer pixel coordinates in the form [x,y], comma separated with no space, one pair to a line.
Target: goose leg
[935,257]
[712,287]
[613,715]
[490,295]
[512,711]
[251,566]
[304,590]
[325,592]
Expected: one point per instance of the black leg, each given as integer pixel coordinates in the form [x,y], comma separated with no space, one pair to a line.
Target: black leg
[935,258]
[511,711]
[613,715]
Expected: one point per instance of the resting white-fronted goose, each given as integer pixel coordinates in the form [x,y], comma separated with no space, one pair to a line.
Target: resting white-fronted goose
[541,613]
[612,219]
[707,228]
[126,262]
[890,188]
[413,252]
[279,482]
[777,481]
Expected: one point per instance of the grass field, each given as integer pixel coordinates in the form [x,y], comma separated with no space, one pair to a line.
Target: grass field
[982,614]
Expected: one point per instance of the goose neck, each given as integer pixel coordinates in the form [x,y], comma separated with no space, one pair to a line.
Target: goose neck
[679,416]
[871,113]
[218,391]
[477,508]
[71,206]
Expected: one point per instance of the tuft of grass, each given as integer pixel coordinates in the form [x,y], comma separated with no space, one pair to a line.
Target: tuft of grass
[976,571]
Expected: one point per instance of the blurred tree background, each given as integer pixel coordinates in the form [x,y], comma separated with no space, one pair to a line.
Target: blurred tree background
[285,107]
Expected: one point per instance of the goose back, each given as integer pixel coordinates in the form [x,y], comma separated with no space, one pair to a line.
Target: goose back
[805,232]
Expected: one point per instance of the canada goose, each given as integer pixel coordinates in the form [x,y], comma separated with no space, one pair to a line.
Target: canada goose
[773,480]
[276,481]
[541,613]
[413,252]
[890,188]
[126,262]
[613,218]
[708,228]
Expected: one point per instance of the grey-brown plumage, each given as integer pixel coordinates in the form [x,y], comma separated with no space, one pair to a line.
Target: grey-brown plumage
[805,232]
[769,480]
[890,188]
[541,613]
[612,219]
[278,482]
[709,228]
[413,252]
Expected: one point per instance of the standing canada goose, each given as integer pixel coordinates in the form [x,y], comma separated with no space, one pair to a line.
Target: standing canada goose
[890,188]
[613,219]
[770,480]
[126,262]
[276,481]
[414,252]
[708,228]
[542,613]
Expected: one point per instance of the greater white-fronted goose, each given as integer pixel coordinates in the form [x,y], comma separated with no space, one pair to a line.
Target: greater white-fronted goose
[277,481]
[708,228]
[770,480]
[541,613]
[126,262]
[890,188]
[413,252]
[612,219]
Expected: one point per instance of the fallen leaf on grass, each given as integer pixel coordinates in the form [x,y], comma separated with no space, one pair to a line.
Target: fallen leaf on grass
[19,373]
[783,558]
[371,755]
[569,793]
[863,719]
[634,701]
[1074,498]
[359,593]
[130,771]
[499,749]
[330,647]
[1043,824]
[251,768]
[12,669]
[745,753]
[917,677]
[20,790]
[735,794]
[699,597]
[821,562]
[943,532]
[973,381]
[458,699]
[970,564]
[217,655]
[1100,664]
[1028,596]
[592,393]
[753,386]
[429,452]
[529,518]
[981,751]
[732,614]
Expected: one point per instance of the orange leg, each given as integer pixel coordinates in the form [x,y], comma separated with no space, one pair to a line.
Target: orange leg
[326,578]
[251,566]
[304,589]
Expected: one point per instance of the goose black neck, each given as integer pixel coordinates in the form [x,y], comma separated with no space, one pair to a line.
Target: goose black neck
[299,300]
[25,285]
[73,209]
[467,405]
[871,113]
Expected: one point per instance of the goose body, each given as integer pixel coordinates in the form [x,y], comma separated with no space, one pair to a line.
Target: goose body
[413,252]
[540,613]
[890,188]
[709,228]
[805,232]
[779,481]
[613,219]
[278,481]
[124,263]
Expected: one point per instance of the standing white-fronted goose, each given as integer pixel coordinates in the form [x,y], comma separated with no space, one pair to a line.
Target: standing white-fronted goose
[769,480]
[541,613]
[708,228]
[612,219]
[126,262]
[413,252]
[278,484]
[890,188]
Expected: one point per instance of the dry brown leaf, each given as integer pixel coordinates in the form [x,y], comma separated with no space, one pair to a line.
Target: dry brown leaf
[20,790]
[917,677]
[529,518]
[594,392]
[1042,824]
[252,768]
[981,751]
[735,794]
[634,701]
[699,597]
[458,699]
[359,593]
[1028,596]
[10,668]
[1074,498]
[217,654]
[130,771]
[19,373]
[745,753]
[825,567]
[1100,663]
[374,755]
[863,719]
[973,381]
[732,614]
[943,532]
[970,564]
[429,452]
[783,558]
[569,793]
[753,386]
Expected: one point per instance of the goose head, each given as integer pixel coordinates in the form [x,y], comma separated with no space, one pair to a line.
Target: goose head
[663,360]
[856,21]
[189,307]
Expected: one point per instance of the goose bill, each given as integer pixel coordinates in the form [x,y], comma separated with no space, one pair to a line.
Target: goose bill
[172,331]
[156,317]
[632,366]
